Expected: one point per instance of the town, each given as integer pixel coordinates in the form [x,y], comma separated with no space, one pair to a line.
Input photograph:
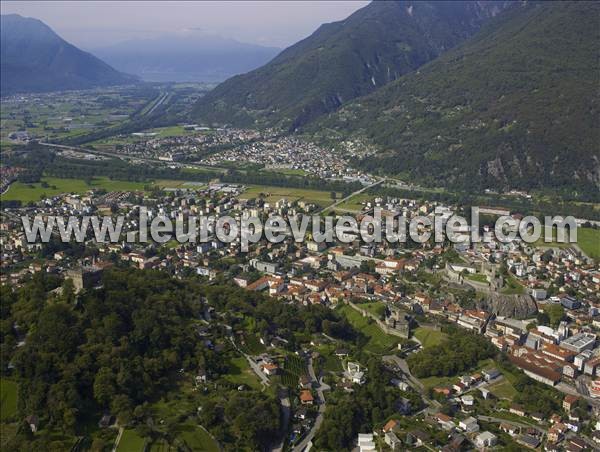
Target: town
[536,307]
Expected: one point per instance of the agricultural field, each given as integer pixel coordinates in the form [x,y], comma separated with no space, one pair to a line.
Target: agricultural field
[53,116]
[52,186]
[161,132]
[429,337]
[354,204]
[287,171]
[274,194]
[379,342]
[293,368]
[131,442]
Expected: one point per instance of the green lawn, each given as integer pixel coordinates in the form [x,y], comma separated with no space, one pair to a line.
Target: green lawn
[196,438]
[477,277]
[376,308]
[240,373]
[19,191]
[328,362]
[429,337]
[432,382]
[379,342]
[8,400]
[274,194]
[131,442]
[588,240]
[512,286]
[160,446]
[503,389]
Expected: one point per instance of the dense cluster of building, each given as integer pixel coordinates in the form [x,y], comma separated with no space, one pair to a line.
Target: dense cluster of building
[359,274]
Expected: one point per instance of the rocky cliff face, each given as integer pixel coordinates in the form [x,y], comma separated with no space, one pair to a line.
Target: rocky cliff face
[516,306]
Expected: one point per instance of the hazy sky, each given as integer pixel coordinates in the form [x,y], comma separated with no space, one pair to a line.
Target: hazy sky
[90,24]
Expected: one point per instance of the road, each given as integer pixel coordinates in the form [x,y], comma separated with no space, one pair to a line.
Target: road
[284,400]
[264,379]
[412,380]
[126,157]
[357,192]
[315,428]
[516,424]
[118,439]
[157,103]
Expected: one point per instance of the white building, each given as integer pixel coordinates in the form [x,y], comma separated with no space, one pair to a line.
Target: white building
[486,439]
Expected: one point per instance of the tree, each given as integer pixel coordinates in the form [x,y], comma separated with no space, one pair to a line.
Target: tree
[555,314]
[104,386]
[68,291]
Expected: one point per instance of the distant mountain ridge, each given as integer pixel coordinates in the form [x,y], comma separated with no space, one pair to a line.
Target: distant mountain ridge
[516,106]
[344,60]
[189,56]
[35,59]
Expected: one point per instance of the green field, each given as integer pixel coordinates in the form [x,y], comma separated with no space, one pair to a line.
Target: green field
[327,362]
[429,337]
[477,277]
[19,191]
[68,114]
[287,171]
[354,203]
[25,193]
[131,442]
[196,438]
[241,374]
[588,239]
[377,308]
[503,389]
[512,286]
[379,342]
[274,194]
[430,382]
[160,445]
[8,400]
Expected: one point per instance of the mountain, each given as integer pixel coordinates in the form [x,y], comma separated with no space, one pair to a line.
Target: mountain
[189,56]
[35,59]
[343,60]
[517,105]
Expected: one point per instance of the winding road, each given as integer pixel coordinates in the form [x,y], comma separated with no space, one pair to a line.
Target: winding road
[319,420]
